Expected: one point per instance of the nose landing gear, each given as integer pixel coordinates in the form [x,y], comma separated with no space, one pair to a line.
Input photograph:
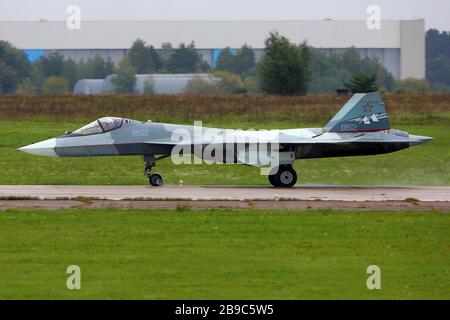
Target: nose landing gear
[154,179]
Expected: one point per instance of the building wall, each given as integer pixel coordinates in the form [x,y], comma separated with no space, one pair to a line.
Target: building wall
[399,45]
[48,35]
[412,46]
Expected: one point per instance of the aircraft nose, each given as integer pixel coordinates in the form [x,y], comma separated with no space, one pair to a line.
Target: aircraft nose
[44,148]
[419,140]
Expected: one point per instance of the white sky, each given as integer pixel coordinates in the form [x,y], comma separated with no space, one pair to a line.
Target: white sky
[435,12]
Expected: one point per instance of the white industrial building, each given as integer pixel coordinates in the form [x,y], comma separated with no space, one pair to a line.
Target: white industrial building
[399,45]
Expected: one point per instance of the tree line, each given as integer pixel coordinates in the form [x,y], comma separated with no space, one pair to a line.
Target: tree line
[438,60]
[285,68]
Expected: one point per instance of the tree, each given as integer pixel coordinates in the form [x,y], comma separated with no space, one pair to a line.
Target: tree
[240,63]
[226,61]
[99,68]
[305,58]
[52,65]
[251,84]
[166,53]
[282,69]
[37,76]
[204,66]
[224,82]
[149,86]
[332,71]
[437,43]
[327,74]
[198,85]
[438,60]
[361,83]
[125,77]
[26,87]
[438,70]
[8,78]
[55,85]
[355,64]
[14,67]
[385,80]
[229,82]
[96,68]
[70,72]
[245,60]
[351,60]
[184,59]
[156,58]
[141,57]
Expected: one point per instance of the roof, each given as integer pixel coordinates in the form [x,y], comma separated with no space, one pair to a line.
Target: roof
[88,86]
[48,35]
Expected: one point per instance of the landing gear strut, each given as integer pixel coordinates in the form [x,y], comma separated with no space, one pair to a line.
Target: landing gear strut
[284,177]
[154,179]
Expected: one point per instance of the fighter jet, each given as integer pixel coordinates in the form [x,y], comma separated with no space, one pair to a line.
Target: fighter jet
[360,128]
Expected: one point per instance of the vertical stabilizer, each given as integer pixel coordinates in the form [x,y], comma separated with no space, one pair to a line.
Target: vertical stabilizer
[364,112]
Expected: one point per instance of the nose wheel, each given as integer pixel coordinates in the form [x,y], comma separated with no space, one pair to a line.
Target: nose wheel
[154,179]
[284,177]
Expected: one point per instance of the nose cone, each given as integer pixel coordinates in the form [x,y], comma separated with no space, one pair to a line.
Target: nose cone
[415,140]
[44,148]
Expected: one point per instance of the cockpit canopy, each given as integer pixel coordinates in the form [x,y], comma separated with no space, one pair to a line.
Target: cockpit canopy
[101,125]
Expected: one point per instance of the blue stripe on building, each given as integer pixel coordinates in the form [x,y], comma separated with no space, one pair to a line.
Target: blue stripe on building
[33,55]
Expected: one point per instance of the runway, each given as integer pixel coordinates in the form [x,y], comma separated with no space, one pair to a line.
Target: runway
[228,193]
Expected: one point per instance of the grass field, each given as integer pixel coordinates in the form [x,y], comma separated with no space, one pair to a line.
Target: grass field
[223,254]
[427,164]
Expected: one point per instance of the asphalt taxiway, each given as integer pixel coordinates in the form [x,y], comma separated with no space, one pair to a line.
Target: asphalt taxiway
[260,197]
[336,193]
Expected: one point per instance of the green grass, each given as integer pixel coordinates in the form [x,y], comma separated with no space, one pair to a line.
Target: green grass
[427,164]
[223,254]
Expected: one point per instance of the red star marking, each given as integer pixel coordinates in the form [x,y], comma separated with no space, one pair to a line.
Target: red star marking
[368,107]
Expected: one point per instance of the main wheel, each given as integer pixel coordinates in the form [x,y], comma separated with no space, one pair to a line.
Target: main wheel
[272,180]
[155,180]
[286,177]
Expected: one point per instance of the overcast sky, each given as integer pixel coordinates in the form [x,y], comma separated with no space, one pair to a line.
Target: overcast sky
[435,12]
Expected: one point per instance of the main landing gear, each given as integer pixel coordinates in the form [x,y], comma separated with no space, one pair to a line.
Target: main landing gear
[154,179]
[284,177]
